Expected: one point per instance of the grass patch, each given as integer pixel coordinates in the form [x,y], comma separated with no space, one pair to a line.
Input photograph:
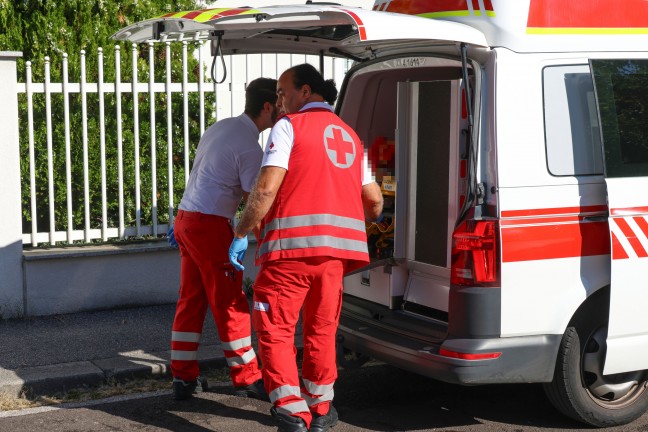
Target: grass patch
[109,389]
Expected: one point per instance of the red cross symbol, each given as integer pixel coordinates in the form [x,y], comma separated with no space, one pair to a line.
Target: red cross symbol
[340,146]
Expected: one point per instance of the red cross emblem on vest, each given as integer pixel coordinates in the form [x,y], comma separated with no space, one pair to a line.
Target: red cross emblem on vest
[339,145]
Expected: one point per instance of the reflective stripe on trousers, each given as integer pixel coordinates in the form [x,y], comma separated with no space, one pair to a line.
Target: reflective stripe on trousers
[284,286]
[207,279]
[315,394]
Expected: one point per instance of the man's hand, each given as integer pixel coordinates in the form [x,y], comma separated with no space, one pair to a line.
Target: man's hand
[171,238]
[237,252]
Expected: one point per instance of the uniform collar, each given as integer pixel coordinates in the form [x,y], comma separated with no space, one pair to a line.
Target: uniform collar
[249,123]
[311,105]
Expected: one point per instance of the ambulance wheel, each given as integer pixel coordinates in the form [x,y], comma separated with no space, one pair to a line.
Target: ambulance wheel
[581,391]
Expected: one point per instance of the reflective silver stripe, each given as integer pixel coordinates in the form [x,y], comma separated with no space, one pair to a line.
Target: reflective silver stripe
[184,355]
[283,391]
[313,220]
[241,360]
[311,242]
[293,408]
[317,389]
[310,401]
[178,336]
[237,344]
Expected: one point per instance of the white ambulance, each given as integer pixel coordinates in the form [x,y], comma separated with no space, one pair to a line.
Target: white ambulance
[510,138]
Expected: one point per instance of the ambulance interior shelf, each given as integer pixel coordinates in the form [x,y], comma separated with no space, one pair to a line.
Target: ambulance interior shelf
[380,235]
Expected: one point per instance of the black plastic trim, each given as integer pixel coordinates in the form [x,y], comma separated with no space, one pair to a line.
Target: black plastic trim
[474,312]
[522,360]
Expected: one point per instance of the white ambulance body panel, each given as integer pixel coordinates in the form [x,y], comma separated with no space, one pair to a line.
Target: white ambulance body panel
[532,26]
[539,296]
[514,231]
[628,349]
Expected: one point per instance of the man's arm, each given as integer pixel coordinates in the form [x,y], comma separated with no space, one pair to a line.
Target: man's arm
[372,201]
[261,198]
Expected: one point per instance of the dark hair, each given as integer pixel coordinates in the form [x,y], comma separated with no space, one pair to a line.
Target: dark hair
[257,93]
[306,74]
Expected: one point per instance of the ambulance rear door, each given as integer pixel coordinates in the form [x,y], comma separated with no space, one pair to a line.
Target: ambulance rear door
[325,30]
[622,99]
[317,29]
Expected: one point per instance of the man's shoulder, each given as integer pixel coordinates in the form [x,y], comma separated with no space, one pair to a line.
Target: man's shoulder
[225,123]
[229,126]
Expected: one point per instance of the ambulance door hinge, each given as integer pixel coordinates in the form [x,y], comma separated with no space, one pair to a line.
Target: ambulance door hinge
[464,143]
[158,28]
[387,269]
[481,193]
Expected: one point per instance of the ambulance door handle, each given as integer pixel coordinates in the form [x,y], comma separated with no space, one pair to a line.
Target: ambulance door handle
[595,218]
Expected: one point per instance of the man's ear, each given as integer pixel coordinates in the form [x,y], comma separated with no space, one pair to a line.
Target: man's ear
[306,91]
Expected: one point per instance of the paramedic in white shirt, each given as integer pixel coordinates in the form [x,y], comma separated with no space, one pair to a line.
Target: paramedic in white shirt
[225,167]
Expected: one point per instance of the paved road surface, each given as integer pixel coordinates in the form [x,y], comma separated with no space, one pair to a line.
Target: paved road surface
[374,398]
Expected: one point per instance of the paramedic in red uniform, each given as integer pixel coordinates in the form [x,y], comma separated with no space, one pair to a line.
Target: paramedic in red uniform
[227,162]
[312,197]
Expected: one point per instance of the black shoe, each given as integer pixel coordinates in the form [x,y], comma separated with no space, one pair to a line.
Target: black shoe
[288,423]
[255,390]
[322,423]
[185,389]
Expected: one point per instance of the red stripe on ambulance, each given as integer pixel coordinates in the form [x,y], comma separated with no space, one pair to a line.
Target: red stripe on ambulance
[193,14]
[630,235]
[590,14]
[417,7]
[542,221]
[358,21]
[555,211]
[628,211]
[618,252]
[551,241]
[643,225]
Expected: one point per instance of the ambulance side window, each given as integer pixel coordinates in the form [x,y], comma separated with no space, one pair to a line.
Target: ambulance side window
[623,105]
[572,133]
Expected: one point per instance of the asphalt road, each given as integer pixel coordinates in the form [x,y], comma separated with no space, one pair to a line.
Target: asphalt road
[374,398]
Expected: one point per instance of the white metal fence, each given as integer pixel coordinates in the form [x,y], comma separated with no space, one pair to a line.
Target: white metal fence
[68,228]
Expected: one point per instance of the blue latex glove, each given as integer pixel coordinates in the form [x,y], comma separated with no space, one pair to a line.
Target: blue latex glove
[237,252]
[171,238]
[380,218]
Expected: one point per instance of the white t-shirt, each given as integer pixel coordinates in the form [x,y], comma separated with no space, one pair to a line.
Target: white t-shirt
[282,137]
[227,162]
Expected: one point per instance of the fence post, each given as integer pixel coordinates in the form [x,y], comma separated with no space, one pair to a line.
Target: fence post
[11,275]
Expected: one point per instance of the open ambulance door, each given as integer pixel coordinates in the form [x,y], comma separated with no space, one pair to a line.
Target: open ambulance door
[316,29]
[622,100]
[352,33]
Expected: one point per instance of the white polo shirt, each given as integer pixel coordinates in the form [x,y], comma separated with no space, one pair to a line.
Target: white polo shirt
[282,137]
[227,162]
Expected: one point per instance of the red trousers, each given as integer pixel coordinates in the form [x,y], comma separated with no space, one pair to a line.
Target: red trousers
[281,288]
[208,279]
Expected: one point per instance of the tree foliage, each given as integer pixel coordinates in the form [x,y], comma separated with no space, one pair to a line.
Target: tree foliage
[54,29]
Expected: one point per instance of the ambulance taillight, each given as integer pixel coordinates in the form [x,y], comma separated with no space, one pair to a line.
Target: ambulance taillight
[474,254]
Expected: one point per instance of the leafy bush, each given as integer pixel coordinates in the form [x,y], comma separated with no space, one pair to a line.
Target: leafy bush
[41,28]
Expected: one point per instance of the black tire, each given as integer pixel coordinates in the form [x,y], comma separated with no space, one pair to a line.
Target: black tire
[581,391]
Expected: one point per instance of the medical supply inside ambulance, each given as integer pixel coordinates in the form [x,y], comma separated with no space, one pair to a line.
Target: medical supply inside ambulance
[380,235]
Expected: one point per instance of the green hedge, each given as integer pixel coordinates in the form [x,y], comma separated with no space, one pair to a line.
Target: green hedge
[48,28]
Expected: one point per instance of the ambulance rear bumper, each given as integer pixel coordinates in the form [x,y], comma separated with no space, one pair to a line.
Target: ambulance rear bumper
[523,359]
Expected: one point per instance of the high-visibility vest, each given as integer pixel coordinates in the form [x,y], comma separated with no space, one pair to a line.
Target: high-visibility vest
[318,208]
